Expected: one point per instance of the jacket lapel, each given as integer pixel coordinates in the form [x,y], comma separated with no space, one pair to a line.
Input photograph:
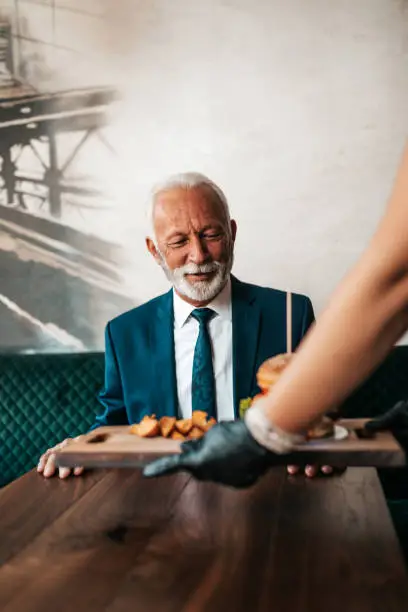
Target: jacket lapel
[246,318]
[162,355]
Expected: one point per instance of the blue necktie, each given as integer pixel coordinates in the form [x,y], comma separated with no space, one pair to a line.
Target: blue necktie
[203,383]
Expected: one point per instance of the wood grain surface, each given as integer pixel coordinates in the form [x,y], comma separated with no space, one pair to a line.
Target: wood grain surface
[112,541]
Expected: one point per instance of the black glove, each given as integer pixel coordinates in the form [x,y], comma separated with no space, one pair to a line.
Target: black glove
[227,454]
[395,420]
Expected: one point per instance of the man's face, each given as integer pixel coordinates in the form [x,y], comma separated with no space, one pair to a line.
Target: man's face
[195,242]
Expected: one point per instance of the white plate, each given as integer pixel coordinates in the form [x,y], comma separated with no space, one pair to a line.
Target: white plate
[340,433]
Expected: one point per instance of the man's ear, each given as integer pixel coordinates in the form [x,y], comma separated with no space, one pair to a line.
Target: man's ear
[233,229]
[151,247]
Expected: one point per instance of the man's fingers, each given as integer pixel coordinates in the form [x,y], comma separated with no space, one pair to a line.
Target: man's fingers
[46,464]
[292,469]
[164,465]
[49,467]
[311,470]
[327,469]
[64,472]
[42,462]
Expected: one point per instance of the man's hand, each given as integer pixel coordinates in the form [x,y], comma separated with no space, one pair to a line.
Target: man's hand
[227,454]
[310,470]
[47,467]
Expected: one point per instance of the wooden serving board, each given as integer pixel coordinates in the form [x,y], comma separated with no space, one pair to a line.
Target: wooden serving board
[382,450]
[114,447]
[117,447]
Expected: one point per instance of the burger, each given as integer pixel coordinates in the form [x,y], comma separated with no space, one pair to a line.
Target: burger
[270,371]
[267,376]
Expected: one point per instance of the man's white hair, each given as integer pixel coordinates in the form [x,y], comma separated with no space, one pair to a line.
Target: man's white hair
[186,180]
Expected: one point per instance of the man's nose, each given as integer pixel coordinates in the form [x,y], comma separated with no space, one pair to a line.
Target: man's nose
[198,251]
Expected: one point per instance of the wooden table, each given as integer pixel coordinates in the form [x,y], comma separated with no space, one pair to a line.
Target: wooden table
[112,541]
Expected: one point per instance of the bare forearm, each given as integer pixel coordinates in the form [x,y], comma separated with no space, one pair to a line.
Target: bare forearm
[342,350]
[367,314]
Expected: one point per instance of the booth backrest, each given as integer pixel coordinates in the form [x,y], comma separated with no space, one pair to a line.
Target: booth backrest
[44,398]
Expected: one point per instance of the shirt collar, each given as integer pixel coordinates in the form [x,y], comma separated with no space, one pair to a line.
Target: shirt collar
[221,304]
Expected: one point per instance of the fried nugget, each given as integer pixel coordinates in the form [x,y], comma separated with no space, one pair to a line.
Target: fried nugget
[176,435]
[184,426]
[195,433]
[147,428]
[167,425]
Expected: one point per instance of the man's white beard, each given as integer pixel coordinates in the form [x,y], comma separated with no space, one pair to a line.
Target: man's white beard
[200,291]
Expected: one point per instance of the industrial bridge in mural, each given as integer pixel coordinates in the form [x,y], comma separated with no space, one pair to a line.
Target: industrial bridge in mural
[46,262]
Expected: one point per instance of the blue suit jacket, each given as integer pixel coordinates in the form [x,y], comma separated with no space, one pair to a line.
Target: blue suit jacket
[140,374]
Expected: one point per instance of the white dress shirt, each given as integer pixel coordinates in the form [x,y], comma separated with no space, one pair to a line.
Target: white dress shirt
[185,337]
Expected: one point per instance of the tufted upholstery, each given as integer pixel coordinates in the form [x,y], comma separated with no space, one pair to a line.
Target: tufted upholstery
[387,385]
[44,399]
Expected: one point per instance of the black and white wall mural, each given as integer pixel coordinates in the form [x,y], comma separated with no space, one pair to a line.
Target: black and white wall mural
[298,110]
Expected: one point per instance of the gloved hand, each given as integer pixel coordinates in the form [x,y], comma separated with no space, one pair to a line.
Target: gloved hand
[395,420]
[227,454]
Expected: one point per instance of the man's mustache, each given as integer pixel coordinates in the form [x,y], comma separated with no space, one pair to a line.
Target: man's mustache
[207,268]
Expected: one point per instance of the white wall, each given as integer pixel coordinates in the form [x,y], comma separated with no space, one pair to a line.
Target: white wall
[298,109]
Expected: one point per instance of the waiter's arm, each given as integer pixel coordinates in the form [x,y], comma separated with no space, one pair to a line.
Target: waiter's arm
[366,315]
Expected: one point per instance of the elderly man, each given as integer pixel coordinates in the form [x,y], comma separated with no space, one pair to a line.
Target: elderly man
[197,347]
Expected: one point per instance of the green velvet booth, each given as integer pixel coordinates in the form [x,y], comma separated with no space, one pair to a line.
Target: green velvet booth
[43,400]
[46,398]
